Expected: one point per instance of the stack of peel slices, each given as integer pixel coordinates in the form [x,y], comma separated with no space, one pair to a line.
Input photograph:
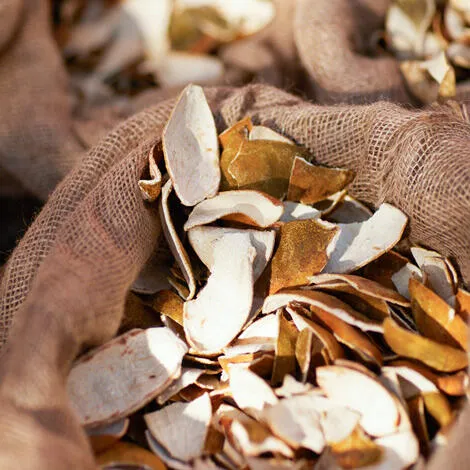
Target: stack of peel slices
[290,334]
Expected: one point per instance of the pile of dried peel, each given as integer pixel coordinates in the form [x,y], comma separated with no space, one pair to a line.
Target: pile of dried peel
[286,332]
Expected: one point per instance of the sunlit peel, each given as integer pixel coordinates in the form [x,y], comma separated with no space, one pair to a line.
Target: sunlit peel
[116,379]
[222,307]
[362,242]
[182,427]
[176,247]
[191,148]
[203,240]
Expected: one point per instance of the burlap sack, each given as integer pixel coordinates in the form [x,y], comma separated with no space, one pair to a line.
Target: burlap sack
[65,285]
[35,117]
[332,39]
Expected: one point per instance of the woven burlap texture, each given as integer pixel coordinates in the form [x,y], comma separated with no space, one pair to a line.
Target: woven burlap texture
[65,284]
[333,39]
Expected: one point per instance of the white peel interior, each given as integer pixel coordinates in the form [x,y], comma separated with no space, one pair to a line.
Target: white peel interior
[364,394]
[265,133]
[182,427]
[191,148]
[222,307]
[176,247]
[259,207]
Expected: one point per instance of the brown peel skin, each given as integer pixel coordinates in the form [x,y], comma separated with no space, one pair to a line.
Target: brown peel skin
[356,451]
[438,356]
[284,360]
[263,165]
[302,252]
[309,184]
[451,384]
[350,336]
[383,268]
[231,140]
[463,303]
[127,453]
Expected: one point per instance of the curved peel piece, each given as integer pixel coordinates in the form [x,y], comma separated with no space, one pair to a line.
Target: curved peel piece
[250,392]
[437,273]
[252,438]
[219,312]
[322,301]
[400,450]
[203,240]
[103,437]
[151,188]
[180,68]
[303,250]
[309,183]
[361,242]
[298,211]
[173,240]
[191,148]
[125,455]
[438,356]
[181,428]
[124,374]
[347,335]
[349,211]
[363,285]
[363,393]
[266,133]
[297,422]
[329,342]
[264,165]
[356,451]
[262,209]
[188,377]
[435,318]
